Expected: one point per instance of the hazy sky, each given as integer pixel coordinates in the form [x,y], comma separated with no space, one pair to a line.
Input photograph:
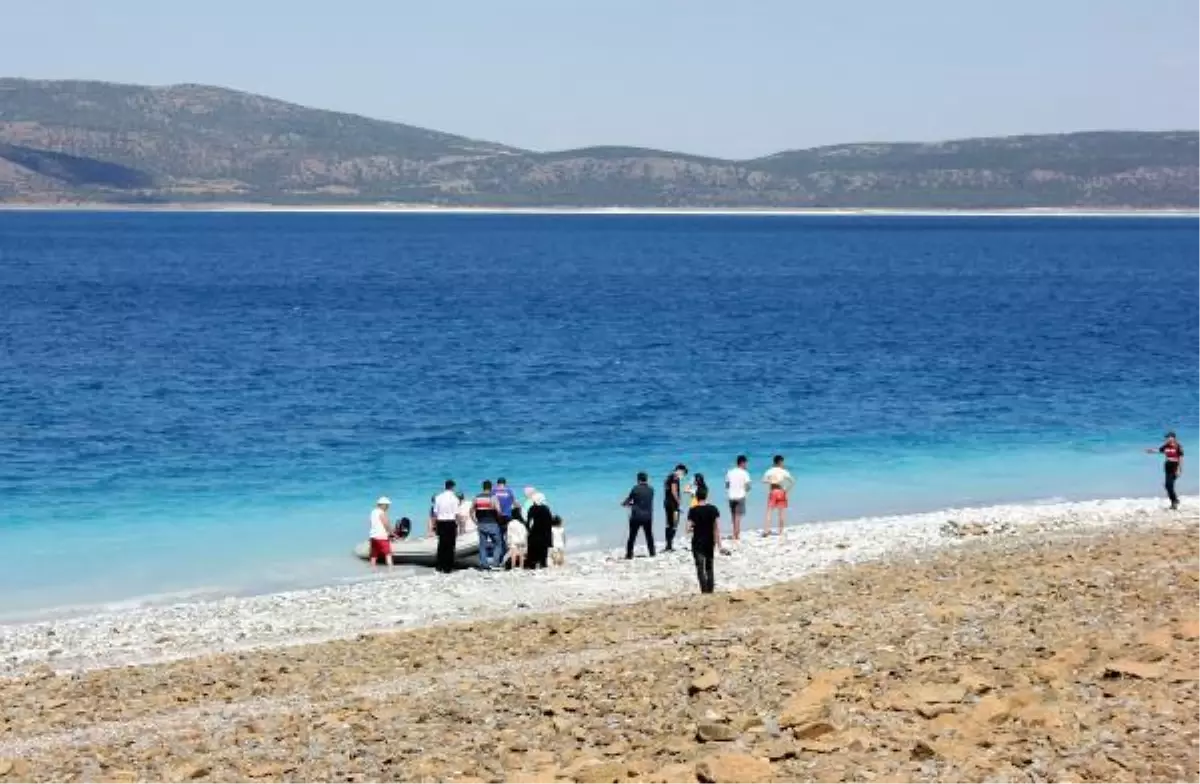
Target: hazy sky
[736,78]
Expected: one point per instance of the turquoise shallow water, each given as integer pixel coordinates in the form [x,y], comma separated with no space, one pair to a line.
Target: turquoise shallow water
[205,404]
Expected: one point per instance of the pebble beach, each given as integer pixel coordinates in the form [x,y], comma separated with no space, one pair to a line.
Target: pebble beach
[1054,642]
[404,600]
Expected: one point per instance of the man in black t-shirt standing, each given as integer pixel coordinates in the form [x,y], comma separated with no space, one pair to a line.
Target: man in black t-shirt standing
[705,527]
[1172,452]
[640,503]
[672,495]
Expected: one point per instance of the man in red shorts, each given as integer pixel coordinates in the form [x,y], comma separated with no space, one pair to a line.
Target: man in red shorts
[381,532]
[780,482]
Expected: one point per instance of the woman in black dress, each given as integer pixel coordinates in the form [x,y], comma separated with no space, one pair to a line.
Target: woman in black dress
[540,520]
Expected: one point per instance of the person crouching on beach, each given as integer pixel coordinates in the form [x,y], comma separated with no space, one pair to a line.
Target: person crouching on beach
[518,543]
[705,528]
[780,481]
[558,542]
[381,533]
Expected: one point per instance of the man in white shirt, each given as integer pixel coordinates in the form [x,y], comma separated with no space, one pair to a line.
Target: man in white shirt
[737,487]
[780,482]
[445,516]
[381,533]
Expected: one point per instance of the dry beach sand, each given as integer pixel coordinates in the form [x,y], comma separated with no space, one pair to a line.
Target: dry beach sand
[1047,654]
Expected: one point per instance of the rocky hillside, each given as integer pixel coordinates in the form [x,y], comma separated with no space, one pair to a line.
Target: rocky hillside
[63,141]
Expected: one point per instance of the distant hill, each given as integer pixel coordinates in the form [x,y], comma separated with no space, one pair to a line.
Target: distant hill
[65,141]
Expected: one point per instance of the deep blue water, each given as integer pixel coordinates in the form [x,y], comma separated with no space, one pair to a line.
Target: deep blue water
[196,400]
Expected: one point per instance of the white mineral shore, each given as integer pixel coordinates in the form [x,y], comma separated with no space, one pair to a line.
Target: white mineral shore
[156,634]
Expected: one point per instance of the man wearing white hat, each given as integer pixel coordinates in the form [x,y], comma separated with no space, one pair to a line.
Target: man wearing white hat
[381,531]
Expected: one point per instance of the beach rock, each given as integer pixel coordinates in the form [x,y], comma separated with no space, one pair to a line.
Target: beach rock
[733,768]
[1188,629]
[927,693]
[547,775]
[705,681]
[672,774]
[812,730]
[710,732]
[1132,669]
[601,773]
[269,770]
[808,705]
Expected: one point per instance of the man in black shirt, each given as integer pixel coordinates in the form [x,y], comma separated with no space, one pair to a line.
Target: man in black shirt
[1172,452]
[672,502]
[705,527]
[640,503]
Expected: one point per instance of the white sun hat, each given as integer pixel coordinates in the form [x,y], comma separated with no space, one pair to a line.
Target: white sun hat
[383,501]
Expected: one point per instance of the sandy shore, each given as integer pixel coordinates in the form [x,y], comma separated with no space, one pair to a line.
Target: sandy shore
[592,579]
[1021,653]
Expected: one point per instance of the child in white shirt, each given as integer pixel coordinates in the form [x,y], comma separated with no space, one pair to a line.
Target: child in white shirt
[518,542]
[558,542]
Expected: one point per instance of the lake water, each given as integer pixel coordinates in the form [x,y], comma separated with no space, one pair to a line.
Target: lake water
[200,404]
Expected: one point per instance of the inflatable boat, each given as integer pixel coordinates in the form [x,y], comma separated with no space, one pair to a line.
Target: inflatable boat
[422,551]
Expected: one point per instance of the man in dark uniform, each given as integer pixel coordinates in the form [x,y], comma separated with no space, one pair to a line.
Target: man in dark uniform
[640,503]
[672,502]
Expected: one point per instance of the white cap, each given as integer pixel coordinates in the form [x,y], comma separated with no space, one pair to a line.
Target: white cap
[383,501]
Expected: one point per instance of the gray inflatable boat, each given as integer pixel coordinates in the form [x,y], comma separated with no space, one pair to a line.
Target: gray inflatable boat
[422,551]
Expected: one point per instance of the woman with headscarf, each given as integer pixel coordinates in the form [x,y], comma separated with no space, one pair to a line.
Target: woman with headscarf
[540,520]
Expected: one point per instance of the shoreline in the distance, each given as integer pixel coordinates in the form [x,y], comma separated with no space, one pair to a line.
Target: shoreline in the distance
[428,209]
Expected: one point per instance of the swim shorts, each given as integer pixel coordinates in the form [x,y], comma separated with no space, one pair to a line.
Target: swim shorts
[777,499]
[380,548]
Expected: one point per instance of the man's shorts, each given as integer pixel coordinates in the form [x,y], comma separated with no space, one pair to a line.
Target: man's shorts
[737,507]
[777,499]
[380,548]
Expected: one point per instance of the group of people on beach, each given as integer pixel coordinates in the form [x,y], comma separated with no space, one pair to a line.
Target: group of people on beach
[703,517]
[529,535]
[512,533]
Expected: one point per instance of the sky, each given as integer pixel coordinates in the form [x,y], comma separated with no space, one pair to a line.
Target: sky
[736,79]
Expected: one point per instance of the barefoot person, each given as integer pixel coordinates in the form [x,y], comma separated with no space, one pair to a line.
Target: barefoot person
[516,537]
[558,542]
[1172,452]
[673,502]
[381,533]
[737,487]
[640,503]
[705,528]
[779,481]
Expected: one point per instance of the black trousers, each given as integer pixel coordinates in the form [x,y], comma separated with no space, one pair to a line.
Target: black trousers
[1172,473]
[636,525]
[447,534]
[704,566]
[672,524]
